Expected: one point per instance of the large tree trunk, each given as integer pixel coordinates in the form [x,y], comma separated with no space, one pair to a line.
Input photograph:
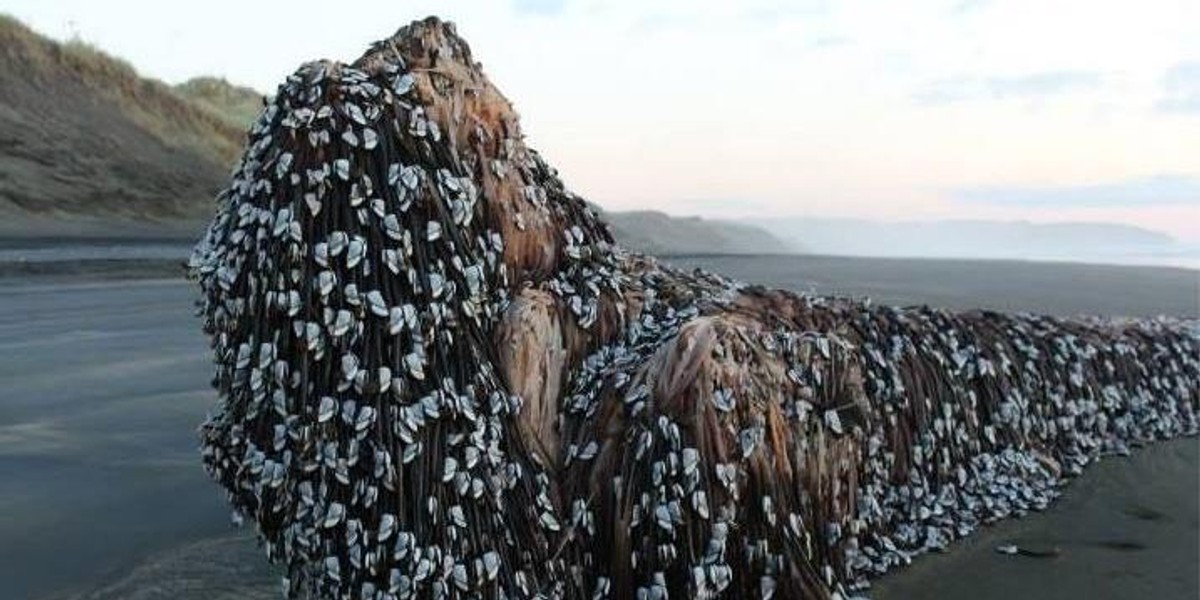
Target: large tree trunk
[440,377]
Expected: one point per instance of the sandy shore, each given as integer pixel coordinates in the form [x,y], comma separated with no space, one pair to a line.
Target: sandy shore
[104,497]
[1126,528]
[1055,288]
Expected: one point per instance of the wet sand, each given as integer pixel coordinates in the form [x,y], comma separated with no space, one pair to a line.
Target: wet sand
[104,386]
[1055,288]
[104,497]
[1126,528]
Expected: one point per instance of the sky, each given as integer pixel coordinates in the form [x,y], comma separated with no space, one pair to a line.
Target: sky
[1042,110]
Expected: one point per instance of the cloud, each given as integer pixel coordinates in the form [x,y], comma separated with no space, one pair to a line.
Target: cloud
[1181,89]
[830,41]
[1160,190]
[1038,84]
[1032,85]
[773,12]
[968,6]
[539,7]
[945,91]
[731,17]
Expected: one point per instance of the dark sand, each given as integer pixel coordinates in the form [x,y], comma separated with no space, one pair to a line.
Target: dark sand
[105,382]
[1126,528]
[1055,288]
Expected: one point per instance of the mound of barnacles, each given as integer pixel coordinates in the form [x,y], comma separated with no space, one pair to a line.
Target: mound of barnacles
[439,377]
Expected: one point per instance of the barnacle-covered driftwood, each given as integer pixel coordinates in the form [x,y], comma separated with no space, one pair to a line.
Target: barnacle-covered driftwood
[439,377]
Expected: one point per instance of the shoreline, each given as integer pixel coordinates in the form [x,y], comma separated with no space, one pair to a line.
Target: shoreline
[1127,527]
[92,348]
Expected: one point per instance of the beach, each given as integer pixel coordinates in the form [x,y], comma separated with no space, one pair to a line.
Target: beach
[107,378]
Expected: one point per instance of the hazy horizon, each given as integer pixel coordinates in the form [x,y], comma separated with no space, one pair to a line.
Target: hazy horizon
[976,109]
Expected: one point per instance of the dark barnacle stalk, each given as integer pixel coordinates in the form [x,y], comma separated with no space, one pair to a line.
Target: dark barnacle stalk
[337,473]
[439,377]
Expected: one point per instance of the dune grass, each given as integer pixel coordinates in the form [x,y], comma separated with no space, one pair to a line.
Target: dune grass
[152,104]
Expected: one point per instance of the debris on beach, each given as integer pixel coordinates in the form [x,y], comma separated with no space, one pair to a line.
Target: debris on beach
[1014,550]
[439,377]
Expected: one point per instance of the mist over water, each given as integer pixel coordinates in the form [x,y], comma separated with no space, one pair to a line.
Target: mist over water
[1095,243]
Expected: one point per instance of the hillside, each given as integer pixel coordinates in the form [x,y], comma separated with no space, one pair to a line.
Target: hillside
[970,238]
[82,134]
[658,233]
[237,105]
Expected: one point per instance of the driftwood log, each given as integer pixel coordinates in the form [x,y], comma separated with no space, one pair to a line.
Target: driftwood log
[439,377]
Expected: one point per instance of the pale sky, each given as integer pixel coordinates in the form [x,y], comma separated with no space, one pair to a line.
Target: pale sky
[1046,110]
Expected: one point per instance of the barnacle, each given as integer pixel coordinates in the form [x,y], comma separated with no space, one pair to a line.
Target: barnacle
[438,376]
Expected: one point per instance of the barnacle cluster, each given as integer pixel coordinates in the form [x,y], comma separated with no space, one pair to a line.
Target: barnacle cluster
[439,377]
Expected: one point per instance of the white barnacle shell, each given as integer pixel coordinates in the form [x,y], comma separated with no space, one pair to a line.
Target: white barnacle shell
[356,113]
[327,409]
[391,258]
[403,84]
[387,525]
[376,303]
[391,225]
[333,515]
[411,177]
[357,196]
[723,400]
[727,473]
[662,516]
[349,366]
[337,242]
[691,458]
[749,439]
[415,365]
[341,166]
[550,522]
[436,284]
[395,320]
[700,503]
[355,251]
[284,165]
[282,219]
[342,322]
[589,451]
[833,421]
[332,570]
[325,282]
[491,564]
[366,417]
[457,516]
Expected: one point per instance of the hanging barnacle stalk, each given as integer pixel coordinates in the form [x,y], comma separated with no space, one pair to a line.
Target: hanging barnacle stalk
[439,377]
